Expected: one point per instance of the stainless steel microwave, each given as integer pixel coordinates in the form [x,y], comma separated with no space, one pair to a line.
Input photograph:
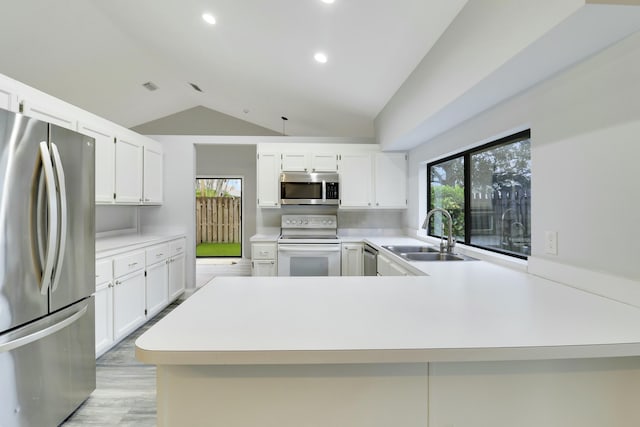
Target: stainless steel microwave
[302,188]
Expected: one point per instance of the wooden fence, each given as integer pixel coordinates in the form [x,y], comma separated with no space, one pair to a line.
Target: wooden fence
[218,220]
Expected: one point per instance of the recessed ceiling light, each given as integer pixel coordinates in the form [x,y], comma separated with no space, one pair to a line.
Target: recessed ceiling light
[320,57]
[328,1]
[209,18]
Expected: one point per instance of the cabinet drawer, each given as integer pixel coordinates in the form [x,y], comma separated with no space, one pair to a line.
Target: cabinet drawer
[177,246]
[128,263]
[157,253]
[104,271]
[263,251]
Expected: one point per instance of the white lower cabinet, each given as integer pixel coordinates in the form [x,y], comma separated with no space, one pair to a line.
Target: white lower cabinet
[263,259]
[134,286]
[263,267]
[129,303]
[387,267]
[104,306]
[157,278]
[352,259]
[176,276]
[157,287]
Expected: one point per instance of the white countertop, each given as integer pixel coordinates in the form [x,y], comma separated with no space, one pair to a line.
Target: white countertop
[265,237]
[475,311]
[106,246]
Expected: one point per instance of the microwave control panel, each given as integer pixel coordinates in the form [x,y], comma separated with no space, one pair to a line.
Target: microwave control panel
[332,190]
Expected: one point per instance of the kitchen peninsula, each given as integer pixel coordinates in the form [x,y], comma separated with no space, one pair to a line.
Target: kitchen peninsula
[507,347]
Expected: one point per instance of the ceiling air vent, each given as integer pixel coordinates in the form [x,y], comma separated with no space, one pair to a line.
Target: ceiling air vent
[150,86]
[195,87]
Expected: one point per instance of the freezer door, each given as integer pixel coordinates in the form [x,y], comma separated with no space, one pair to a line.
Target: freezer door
[48,367]
[73,159]
[23,210]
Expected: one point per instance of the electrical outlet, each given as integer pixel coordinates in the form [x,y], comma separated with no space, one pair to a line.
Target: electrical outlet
[551,242]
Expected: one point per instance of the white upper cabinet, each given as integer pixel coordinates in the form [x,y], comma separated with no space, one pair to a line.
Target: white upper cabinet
[355,180]
[8,98]
[295,162]
[153,188]
[105,161]
[49,111]
[324,162]
[128,171]
[390,180]
[369,179]
[268,180]
[309,162]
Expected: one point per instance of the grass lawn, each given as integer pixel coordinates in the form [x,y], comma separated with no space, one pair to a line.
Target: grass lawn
[218,249]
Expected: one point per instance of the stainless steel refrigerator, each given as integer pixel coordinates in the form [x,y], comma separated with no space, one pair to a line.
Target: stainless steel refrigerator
[47,271]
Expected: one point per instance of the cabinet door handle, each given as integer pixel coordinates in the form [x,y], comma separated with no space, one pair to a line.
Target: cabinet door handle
[159,255]
[133,264]
[118,282]
[110,285]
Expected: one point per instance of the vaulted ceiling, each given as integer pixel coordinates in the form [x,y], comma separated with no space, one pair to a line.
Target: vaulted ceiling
[256,63]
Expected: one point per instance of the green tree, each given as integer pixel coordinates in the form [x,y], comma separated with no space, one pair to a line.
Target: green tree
[450,198]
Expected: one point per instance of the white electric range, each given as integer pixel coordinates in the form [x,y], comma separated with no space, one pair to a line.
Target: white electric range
[309,246]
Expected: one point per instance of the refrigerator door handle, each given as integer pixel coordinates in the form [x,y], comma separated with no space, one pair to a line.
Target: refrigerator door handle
[23,340]
[52,211]
[59,170]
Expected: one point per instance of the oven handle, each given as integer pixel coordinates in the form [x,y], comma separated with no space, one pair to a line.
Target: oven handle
[306,248]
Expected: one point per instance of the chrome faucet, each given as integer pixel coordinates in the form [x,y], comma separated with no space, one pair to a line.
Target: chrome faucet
[451,243]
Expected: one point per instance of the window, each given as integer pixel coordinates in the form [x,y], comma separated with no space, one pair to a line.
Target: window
[487,191]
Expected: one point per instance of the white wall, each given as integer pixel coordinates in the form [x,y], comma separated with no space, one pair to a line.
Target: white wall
[177,214]
[484,36]
[585,125]
[492,51]
[116,218]
[201,121]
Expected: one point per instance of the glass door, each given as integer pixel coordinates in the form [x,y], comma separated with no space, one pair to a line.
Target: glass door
[218,217]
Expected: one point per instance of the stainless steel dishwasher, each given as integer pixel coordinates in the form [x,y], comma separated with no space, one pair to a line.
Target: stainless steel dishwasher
[370,261]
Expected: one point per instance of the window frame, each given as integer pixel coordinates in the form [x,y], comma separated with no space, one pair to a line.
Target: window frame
[466,158]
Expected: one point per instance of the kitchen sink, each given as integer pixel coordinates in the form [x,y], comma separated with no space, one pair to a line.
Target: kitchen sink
[411,249]
[425,253]
[435,256]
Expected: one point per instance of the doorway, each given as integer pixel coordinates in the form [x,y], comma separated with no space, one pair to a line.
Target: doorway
[219,221]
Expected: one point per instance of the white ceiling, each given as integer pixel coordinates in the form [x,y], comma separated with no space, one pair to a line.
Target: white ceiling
[258,57]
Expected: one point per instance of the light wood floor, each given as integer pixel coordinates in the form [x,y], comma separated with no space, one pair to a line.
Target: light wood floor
[125,392]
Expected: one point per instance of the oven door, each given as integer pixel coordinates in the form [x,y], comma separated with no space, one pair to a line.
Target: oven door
[308,259]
